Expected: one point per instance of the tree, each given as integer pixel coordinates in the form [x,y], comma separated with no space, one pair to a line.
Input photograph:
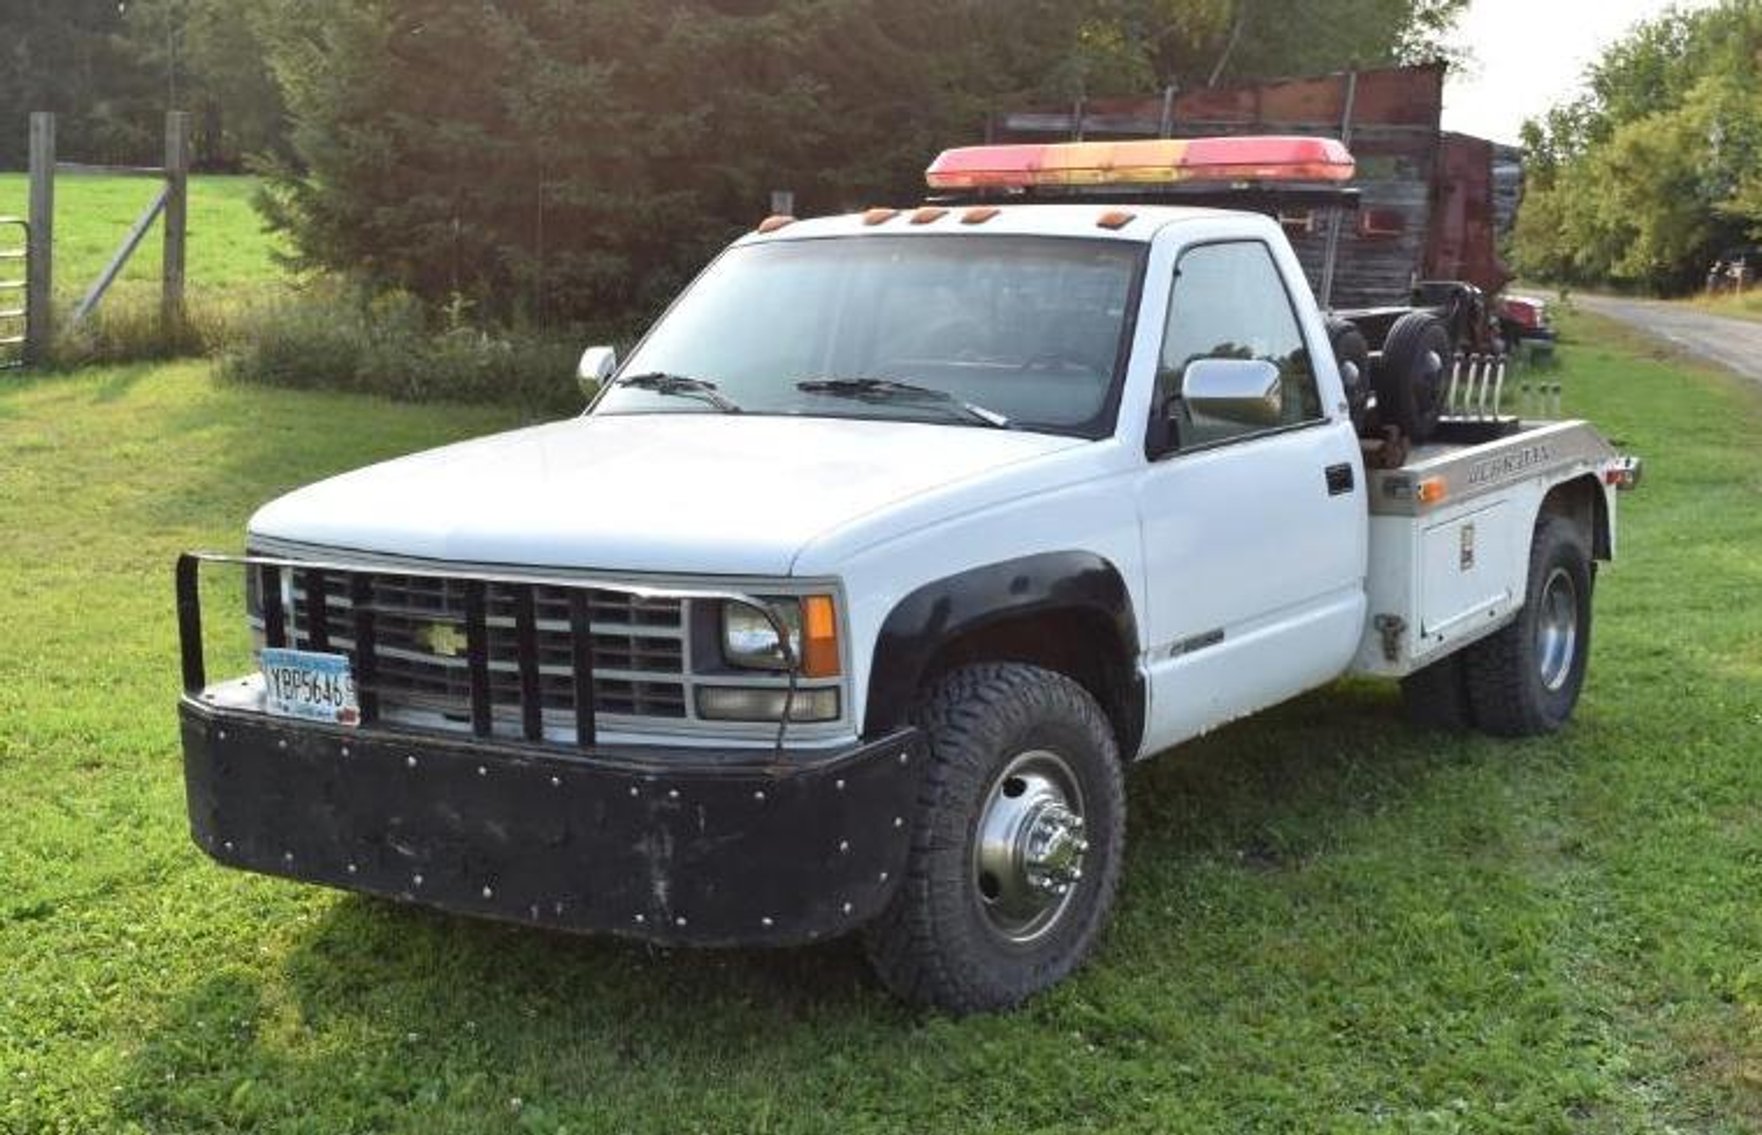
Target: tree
[1644,178]
[61,55]
[110,69]
[206,56]
[570,159]
[1130,46]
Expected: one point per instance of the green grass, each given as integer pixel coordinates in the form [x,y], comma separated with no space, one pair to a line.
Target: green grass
[232,275]
[228,247]
[1745,306]
[1328,922]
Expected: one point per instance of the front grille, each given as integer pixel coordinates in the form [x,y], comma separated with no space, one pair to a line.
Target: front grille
[408,639]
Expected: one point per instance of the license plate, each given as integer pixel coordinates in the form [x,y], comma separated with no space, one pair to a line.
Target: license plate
[310,686]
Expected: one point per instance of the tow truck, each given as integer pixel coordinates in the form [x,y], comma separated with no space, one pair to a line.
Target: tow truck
[851,598]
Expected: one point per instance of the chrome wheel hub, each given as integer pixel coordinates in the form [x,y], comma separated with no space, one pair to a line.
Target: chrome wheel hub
[1029,846]
[1557,629]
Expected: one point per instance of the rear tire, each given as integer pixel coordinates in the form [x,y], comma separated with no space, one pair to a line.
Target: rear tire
[1016,845]
[1525,679]
[1412,376]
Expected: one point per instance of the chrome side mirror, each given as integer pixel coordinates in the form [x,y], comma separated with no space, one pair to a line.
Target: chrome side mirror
[597,365]
[1237,392]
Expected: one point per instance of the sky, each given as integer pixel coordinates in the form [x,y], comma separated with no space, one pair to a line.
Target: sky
[1530,55]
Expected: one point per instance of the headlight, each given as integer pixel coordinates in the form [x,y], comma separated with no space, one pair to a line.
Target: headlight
[749,639]
[810,623]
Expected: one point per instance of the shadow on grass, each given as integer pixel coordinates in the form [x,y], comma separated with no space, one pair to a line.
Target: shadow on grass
[241,446]
[373,992]
[119,381]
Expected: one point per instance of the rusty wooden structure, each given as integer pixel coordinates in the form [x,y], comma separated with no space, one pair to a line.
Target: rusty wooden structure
[1430,202]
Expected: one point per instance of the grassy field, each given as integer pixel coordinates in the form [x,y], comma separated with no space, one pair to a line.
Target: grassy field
[1746,306]
[228,248]
[1327,923]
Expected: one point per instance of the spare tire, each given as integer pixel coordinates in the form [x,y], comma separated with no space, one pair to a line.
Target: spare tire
[1411,378]
[1352,355]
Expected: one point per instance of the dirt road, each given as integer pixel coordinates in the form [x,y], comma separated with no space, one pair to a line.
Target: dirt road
[1733,343]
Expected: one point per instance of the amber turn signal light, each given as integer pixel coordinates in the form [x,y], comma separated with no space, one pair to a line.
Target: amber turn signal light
[819,638]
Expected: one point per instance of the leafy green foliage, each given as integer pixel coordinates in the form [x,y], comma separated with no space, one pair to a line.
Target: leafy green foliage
[232,268]
[1328,922]
[1649,175]
[112,68]
[549,158]
[558,160]
[338,337]
[205,56]
[60,55]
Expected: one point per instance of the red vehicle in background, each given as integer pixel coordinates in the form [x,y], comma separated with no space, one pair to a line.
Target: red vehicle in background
[1523,321]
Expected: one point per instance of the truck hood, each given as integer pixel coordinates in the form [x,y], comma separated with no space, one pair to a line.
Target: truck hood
[668,493]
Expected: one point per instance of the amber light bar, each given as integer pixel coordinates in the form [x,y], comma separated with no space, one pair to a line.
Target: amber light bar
[1153,162]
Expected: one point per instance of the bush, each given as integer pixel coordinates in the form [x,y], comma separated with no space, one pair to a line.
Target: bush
[342,338]
[129,326]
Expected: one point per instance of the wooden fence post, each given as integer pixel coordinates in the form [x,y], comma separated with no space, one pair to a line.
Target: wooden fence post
[177,187]
[40,292]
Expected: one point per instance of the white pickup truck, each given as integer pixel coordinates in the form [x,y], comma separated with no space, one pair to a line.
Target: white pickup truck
[852,596]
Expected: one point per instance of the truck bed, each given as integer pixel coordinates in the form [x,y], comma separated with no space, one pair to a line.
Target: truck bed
[1450,536]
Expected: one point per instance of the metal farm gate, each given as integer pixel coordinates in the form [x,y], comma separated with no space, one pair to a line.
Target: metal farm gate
[15,278]
[27,315]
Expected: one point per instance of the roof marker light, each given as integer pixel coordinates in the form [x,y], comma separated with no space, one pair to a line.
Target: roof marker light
[1116,219]
[776,221]
[1148,162]
[979,215]
[879,216]
[928,215]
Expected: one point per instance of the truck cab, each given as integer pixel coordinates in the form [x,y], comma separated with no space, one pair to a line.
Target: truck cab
[851,597]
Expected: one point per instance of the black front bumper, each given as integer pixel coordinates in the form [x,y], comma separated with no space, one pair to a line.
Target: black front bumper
[675,846]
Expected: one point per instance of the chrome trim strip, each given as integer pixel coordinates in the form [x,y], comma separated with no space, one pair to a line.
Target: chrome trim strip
[1470,471]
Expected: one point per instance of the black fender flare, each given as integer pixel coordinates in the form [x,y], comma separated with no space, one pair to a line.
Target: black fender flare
[1050,583]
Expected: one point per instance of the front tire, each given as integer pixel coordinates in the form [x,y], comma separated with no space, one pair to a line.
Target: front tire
[1016,846]
[1525,680]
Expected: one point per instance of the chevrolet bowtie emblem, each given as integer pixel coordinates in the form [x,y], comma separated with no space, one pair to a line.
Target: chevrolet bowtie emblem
[443,638]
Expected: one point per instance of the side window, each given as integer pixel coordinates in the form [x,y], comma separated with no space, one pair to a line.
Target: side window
[1229,302]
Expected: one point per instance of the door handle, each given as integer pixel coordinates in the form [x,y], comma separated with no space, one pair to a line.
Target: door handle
[1339,479]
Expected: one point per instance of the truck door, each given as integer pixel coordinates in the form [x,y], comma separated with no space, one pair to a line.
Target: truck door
[1254,534]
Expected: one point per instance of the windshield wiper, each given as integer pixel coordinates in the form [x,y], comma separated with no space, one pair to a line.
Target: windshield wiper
[684,386]
[880,390]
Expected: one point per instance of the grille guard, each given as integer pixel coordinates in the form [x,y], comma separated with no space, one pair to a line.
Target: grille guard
[194,660]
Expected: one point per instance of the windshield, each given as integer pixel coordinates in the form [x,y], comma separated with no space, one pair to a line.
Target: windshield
[1024,332]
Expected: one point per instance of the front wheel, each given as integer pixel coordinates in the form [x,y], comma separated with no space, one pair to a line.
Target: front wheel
[1526,679]
[1016,846]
